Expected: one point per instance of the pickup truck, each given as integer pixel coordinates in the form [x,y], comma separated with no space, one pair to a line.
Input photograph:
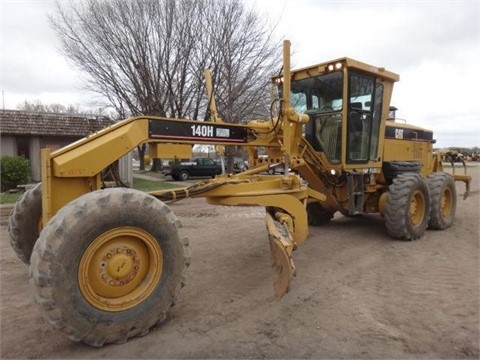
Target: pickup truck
[196,167]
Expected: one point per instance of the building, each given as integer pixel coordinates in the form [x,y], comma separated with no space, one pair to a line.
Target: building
[24,133]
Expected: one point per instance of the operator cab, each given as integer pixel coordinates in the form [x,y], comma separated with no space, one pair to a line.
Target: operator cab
[344,99]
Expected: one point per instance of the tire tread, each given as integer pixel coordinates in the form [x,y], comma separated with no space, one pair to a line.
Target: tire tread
[23,223]
[436,183]
[44,265]
[397,206]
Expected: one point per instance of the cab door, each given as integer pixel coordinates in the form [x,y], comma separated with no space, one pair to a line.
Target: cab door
[364,114]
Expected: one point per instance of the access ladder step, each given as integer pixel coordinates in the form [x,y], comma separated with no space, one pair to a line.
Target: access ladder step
[356,190]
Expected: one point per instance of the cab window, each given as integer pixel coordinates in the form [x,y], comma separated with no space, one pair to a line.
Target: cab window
[321,98]
[363,117]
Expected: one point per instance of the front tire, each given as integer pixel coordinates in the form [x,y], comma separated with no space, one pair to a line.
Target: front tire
[109,265]
[317,215]
[443,196]
[25,222]
[184,175]
[407,209]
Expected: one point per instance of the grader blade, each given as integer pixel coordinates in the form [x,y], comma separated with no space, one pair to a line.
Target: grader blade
[281,247]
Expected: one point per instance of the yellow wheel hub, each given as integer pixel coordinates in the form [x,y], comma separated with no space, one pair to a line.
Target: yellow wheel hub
[120,269]
[120,265]
[417,208]
[446,203]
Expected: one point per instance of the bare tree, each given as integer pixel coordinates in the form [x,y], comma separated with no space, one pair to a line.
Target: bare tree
[148,57]
[39,106]
[245,60]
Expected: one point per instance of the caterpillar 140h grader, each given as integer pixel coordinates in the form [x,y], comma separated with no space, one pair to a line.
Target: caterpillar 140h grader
[106,263]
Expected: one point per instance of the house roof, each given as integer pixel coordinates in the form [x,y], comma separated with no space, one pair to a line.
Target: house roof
[17,122]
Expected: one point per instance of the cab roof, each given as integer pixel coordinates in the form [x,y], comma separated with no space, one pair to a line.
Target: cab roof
[321,68]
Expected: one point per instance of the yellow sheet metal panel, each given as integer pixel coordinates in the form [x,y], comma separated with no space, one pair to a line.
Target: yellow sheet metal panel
[91,155]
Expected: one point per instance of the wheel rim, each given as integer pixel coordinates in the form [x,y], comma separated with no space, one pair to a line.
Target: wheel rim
[446,203]
[120,268]
[417,208]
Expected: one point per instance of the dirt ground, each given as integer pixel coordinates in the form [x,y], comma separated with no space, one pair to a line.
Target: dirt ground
[357,294]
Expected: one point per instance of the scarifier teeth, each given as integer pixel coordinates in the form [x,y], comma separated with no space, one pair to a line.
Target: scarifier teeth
[467,190]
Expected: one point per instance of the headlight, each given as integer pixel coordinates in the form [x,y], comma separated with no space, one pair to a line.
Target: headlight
[336,66]
[278,80]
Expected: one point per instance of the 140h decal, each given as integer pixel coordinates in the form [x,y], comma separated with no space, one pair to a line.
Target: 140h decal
[207,131]
[171,130]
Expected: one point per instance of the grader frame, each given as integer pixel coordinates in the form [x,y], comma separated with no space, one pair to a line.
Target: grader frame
[104,279]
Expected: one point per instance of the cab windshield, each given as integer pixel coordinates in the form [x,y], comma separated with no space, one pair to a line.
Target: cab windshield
[321,98]
[320,93]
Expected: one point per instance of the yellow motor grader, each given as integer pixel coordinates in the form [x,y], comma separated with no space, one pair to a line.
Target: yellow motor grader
[103,271]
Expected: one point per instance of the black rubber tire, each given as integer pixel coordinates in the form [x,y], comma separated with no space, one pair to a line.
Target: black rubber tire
[443,195]
[317,215]
[407,209]
[59,254]
[23,224]
[392,169]
[184,175]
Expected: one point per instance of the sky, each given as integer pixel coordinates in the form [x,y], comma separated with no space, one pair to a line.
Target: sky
[433,45]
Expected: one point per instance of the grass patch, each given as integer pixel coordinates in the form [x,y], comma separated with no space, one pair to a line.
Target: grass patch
[7,198]
[148,185]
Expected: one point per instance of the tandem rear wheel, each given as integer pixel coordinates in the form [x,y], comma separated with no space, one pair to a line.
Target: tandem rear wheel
[407,209]
[444,200]
[109,265]
[414,203]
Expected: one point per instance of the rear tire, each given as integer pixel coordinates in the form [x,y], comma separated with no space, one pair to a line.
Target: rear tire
[109,265]
[443,196]
[24,223]
[407,209]
[317,215]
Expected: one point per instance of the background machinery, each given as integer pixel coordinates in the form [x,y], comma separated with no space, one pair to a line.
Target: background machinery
[109,262]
